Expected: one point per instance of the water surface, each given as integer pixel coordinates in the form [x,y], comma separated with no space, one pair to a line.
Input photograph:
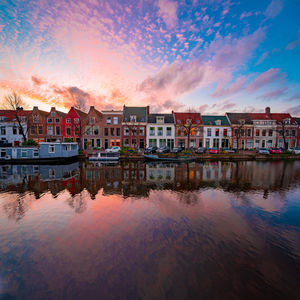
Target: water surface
[150,231]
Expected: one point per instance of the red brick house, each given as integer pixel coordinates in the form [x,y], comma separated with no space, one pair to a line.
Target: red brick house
[188,125]
[134,126]
[298,136]
[73,125]
[37,125]
[54,125]
[112,128]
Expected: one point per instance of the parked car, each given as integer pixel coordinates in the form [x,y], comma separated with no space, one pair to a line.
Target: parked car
[214,151]
[200,150]
[275,151]
[114,149]
[263,151]
[295,150]
[150,150]
[176,150]
[228,150]
[164,149]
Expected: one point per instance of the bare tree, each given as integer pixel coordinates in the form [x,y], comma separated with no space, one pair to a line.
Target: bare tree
[15,103]
[239,131]
[282,131]
[189,129]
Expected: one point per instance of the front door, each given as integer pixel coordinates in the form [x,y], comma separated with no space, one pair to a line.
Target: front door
[141,143]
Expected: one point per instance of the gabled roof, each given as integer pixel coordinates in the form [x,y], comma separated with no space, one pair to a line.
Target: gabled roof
[278,117]
[259,116]
[182,117]
[9,115]
[235,118]
[98,113]
[139,112]
[80,113]
[169,118]
[211,120]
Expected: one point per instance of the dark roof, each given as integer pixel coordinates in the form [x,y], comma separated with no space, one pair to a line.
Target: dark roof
[279,117]
[139,112]
[211,120]
[234,118]
[80,113]
[181,118]
[259,116]
[297,120]
[10,115]
[169,119]
[60,113]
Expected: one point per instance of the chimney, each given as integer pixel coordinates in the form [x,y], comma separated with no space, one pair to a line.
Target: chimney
[92,107]
[268,110]
[148,110]
[35,108]
[52,108]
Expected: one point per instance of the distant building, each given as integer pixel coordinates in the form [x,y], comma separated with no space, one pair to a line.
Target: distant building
[160,130]
[216,131]
[298,132]
[134,126]
[37,125]
[188,124]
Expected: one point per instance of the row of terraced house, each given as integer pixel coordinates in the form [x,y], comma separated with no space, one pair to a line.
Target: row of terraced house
[138,128]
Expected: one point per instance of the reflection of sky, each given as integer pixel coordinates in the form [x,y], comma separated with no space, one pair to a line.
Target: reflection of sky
[170,242]
[213,56]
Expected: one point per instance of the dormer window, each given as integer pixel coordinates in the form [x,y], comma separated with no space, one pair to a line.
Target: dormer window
[53,114]
[35,119]
[218,122]
[49,120]
[132,118]
[160,120]
[92,120]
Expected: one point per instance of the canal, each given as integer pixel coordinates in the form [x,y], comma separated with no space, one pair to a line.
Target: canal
[221,230]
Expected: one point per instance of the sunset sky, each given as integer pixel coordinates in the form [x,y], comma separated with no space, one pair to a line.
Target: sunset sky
[211,56]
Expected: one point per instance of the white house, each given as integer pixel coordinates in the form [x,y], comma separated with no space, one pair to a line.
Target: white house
[160,130]
[10,131]
[216,131]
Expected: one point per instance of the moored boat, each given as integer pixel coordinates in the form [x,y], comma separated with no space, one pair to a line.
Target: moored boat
[172,159]
[105,156]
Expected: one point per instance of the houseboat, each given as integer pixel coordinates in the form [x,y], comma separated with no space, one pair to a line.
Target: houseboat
[105,157]
[45,152]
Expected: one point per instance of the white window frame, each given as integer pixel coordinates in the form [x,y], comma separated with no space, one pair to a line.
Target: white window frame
[51,146]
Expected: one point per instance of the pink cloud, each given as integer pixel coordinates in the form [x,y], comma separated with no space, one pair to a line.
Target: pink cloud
[268,77]
[167,10]
[245,15]
[237,86]
[262,58]
[273,94]
[273,9]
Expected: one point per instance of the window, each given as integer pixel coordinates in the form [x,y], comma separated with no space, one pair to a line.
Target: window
[108,120]
[51,173]
[132,118]
[126,142]
[35,153]
[208,131]
[112,132]
[96,130]
[115,120]
[88,130]
[49,120]
[35,119]
[118,131]
[169,131]
[68,121]
[126,131]
[76,120]
[32,130]
[40,130]
[236,132]
[152,143]
[248,132]
[249,144]
[50,130]
[270,132]
[242,132]
[217,131]
[142,131]
[287,132]
[293,132]
[160,120]
[57,120]
[218,122]
[57,130]
[24,153]
[133,131]
[152,131]
[53,114]
[257,132]
[225,132]
[51,148]
[3,130]
[68,131]
[76,130]
[106,131]
[264,132]
[15,130]
[92,120]
[159,131]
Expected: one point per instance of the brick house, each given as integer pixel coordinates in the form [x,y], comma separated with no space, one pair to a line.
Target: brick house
[242,130]
[185,123]
[134,126]
[54,125]
[92,129]
[112,128]
[73,125]
[37,125]
[298,134]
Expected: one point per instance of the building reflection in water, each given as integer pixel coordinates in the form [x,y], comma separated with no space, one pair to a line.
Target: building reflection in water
[138,179]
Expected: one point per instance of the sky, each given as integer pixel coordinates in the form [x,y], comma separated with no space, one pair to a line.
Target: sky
[210,56]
